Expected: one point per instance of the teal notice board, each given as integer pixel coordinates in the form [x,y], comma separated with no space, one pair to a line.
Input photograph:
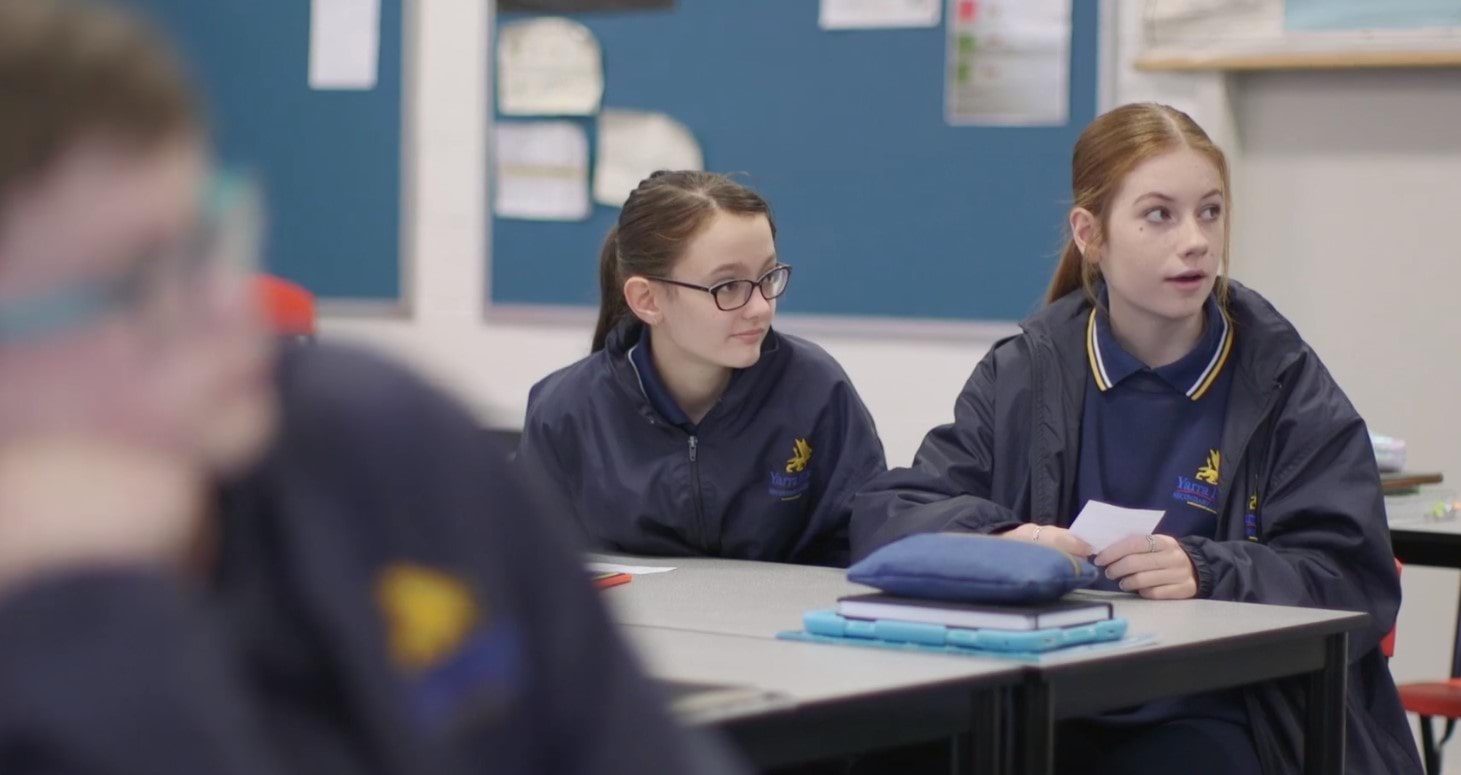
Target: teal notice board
[884,208]
[330,161]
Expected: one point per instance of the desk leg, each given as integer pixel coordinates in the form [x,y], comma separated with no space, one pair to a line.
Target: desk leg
[1035,736]
[1324,725]
[982,750]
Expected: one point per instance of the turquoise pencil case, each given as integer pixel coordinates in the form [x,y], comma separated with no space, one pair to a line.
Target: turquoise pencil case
[830,625]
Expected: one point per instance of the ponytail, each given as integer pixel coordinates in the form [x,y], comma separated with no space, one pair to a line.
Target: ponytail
[612,307]
[1072,273]
[1069,273]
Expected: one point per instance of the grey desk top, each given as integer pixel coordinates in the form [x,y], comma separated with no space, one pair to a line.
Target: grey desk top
[737,597]
[1440,527]
[734,597]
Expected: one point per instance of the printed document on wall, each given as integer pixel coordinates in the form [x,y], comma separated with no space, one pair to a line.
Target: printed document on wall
[878,14]
[344,44]
[1008,62]
[541,171]
[548,67]
[633,144]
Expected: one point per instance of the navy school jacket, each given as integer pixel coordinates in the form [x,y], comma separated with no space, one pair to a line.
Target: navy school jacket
[383,603]
[768,475]
[1301,519]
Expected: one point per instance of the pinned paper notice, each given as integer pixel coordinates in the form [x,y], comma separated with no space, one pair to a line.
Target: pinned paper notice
[344,44]
[548,66]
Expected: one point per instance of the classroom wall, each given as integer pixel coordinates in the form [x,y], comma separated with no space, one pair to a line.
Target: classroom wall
[492,364]
[1346,188]
[1347,195]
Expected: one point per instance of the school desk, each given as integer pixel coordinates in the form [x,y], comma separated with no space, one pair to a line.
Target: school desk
[733,609]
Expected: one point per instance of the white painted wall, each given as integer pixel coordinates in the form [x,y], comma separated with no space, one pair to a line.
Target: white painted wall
[1347,204]
[1348,187]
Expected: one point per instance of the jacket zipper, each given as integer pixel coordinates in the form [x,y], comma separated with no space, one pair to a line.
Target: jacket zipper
[712,545]
[1241,460]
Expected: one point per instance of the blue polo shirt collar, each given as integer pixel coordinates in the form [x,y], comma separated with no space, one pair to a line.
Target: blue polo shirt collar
[1193,374]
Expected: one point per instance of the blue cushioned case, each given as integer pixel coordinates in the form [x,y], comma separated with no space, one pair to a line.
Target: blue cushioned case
[973,568]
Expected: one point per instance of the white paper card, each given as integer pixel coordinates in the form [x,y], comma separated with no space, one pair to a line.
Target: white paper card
[344,44]
[1101,524]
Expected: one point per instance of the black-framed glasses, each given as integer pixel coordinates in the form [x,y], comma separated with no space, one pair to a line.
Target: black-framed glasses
[731,295]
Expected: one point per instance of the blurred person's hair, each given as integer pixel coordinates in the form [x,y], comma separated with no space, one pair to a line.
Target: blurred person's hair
[73,71]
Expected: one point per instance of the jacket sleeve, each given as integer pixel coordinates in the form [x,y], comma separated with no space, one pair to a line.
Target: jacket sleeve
[539,464]
[1325,542]
[850,455]
[117,673]
[587,706]
[949,484]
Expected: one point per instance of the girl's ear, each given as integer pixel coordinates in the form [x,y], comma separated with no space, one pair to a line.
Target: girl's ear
[643,299]
[1085,229]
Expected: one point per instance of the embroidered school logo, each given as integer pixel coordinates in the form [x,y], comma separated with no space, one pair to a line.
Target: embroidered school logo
[1209,472]
[1201,491]
[792,481]
[801,455]
[439,636]
[427,612]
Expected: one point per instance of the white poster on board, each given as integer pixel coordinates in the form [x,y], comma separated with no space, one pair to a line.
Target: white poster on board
[878,14]
[541,171]
[1008,62]
[550,67]
[633,144]
[344,44]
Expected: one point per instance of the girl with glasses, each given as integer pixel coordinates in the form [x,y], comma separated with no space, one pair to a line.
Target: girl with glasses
[693,428]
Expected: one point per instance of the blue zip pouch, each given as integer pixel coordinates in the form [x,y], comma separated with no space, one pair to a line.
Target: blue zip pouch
[970,568]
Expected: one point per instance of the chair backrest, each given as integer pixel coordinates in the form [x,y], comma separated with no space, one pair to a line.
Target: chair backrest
[287,306]
[1387,646]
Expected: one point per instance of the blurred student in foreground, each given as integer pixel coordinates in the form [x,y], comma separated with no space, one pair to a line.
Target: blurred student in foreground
[216,559]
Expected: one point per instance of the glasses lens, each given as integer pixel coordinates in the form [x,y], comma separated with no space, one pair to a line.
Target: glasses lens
[733,295]
[775,282]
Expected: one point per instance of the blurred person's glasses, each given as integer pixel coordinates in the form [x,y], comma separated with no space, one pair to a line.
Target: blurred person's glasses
[225,237]
[731,295]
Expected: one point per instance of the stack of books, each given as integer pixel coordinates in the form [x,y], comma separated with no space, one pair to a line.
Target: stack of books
[889,621]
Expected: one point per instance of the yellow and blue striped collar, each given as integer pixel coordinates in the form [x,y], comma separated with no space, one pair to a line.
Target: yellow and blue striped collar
[1193,374]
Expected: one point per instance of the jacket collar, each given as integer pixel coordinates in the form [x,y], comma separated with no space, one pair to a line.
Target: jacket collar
[742,393]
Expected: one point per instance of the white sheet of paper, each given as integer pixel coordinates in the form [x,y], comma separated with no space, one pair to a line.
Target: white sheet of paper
[541,171]
[878,14]
[1101,524]
[344,44]
[633,570]
[632,145]
[1008,63]
[549,67]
